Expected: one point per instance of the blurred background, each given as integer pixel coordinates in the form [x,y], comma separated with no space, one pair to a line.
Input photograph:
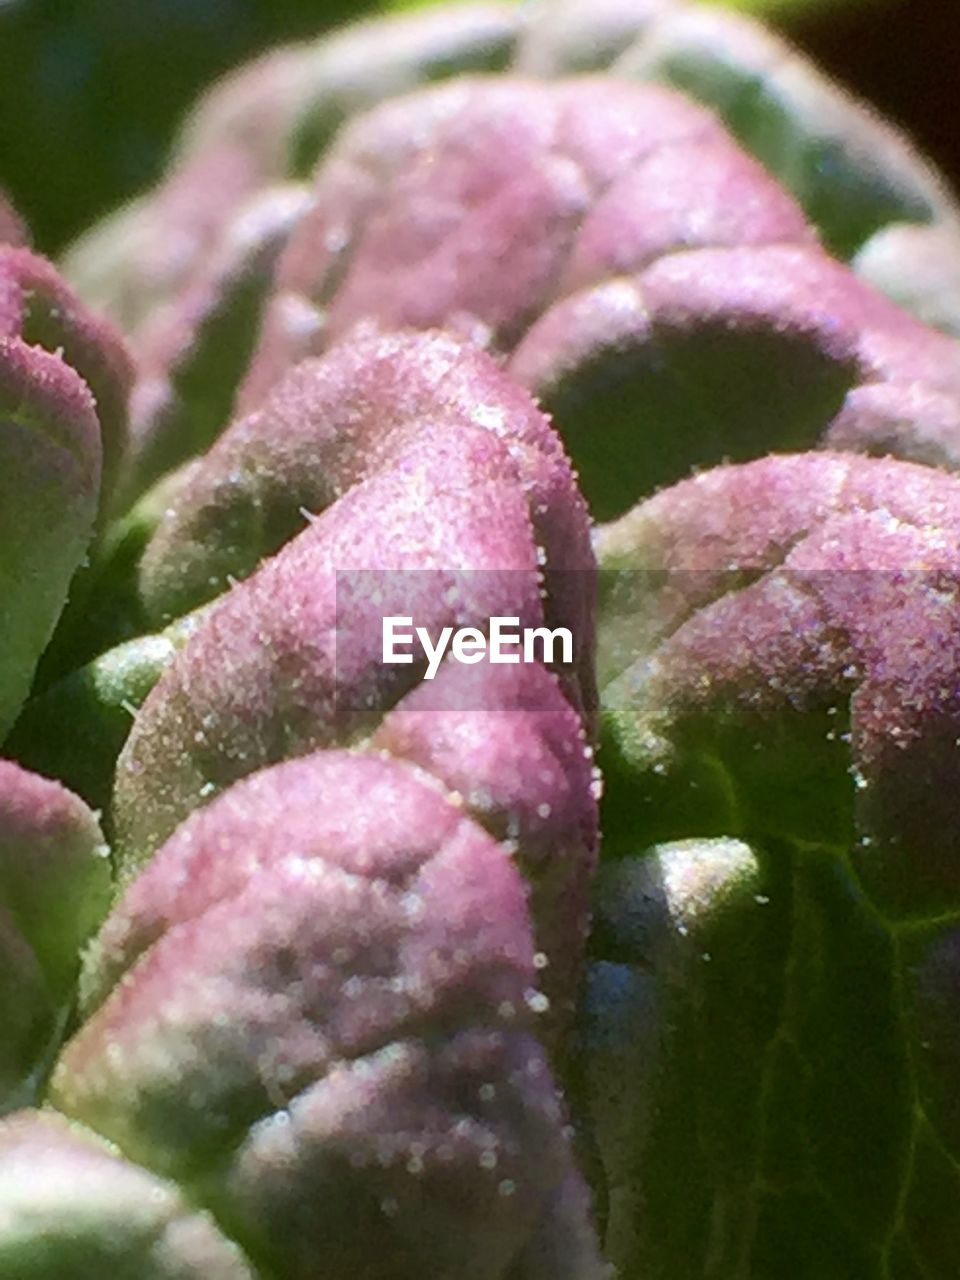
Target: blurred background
[91,91]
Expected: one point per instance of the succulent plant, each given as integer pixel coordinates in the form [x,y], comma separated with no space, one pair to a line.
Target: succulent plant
[418,1031]
[320,967]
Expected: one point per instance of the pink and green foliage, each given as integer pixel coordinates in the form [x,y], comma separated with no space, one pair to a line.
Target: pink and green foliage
[73,1207]
[39,310]
[64,378]
[479,204]
[355,1002]
[432,486]
[328,1025]
[386,943]
[854,174]
[645,278]
[791,689]
[192,348]
[54,890]
[185,269]
[264,124]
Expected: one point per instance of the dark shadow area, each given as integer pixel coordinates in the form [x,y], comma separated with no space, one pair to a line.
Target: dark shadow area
[902,56]
[92,91]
